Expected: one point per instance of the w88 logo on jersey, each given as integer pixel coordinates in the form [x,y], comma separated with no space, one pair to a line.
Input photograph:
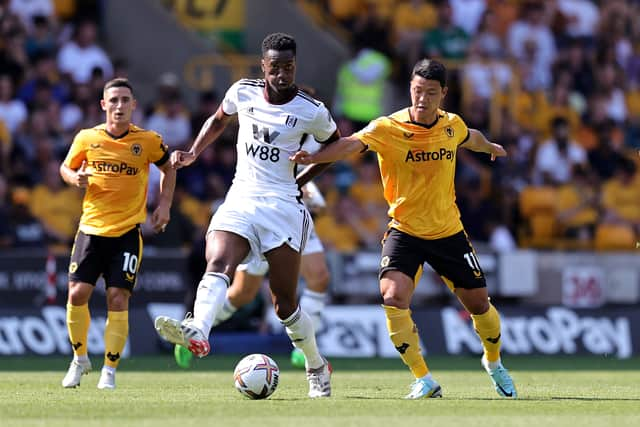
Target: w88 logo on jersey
[263,152]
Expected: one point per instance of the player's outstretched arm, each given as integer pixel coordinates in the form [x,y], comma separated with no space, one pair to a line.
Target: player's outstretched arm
[161,215]
[331,152]
[210,131]
[478,142]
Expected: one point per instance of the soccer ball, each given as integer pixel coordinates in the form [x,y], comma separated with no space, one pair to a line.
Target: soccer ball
[256,376]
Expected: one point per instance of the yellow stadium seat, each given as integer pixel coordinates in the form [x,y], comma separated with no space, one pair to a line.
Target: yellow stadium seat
[538,208]
[536,200]
[614,237]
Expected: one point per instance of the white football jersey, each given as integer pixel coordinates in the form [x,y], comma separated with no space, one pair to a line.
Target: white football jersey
[269,134]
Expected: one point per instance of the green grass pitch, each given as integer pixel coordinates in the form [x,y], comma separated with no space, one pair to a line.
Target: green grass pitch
[554,391]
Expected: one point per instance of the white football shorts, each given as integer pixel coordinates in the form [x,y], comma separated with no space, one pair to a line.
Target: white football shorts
[259,267]
[266,223]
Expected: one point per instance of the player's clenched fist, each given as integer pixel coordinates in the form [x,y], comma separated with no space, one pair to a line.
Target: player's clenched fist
[181,159]
[82,175]
[302,157]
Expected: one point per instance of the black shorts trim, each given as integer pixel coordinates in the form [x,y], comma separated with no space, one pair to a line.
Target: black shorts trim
[451,257]
[117,259]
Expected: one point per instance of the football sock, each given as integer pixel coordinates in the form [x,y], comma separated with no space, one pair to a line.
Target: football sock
[115,337]
[404,335]
[487,325]
[212,292]
[300,329]
[78,321]
[313,304]
[225,312]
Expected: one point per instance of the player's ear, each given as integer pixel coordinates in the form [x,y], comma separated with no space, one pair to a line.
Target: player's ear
[444,91]
[103,105]
[262,65]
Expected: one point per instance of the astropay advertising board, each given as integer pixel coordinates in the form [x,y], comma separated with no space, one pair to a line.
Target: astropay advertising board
[352,331]
[360,331]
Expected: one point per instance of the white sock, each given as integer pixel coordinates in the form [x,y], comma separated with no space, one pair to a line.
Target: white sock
[210,297]
[300,330]
[226,312]
[81,359]
[109,369]
[313,304]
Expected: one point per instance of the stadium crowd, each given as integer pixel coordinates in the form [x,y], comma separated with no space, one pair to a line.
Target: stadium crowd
[556,82]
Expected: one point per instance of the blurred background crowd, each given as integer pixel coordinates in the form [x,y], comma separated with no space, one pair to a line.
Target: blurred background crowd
[556,82]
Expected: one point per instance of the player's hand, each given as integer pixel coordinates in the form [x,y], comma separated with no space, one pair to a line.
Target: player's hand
[496,151]
[160,218]
[180,159]
[302,157]
[82,175]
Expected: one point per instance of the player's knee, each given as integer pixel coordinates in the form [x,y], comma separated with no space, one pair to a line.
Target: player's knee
[477,306]
[117,299]
[396,294]
[79,293]
[219,265]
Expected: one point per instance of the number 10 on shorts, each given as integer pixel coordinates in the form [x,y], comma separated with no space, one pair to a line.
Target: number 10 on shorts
[130,264]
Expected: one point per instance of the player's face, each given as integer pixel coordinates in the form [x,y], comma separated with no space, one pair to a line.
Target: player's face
[426,95]
[118,103]
[279,67]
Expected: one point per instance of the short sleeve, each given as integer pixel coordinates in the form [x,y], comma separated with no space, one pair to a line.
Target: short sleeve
[323,125]
[159,152]
[372,135]
[77,152]
[461,131]
[230,101]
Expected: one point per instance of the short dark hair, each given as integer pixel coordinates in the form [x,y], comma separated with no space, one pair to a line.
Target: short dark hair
[118,82]
[431,70]
[279,42]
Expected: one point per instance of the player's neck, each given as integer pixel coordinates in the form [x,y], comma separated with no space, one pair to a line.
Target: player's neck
[425,119]
[282,97]
[117,129]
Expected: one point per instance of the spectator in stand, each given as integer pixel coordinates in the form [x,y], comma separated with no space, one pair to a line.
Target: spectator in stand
[411,19]
[41,39]
[79,56]
[577,209]
[28,10]
[13,112]
[56,206]
[44,69]
[530,40]
[5,229]
[581,18]
[345,229]
[467,14]
[33,146]
[360,89]
[27,232]
[557,156]
[371,29]
[368,192]
[609,86]
[620,195]
[605,156]
[576,63]
[207,105]
[447,40]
